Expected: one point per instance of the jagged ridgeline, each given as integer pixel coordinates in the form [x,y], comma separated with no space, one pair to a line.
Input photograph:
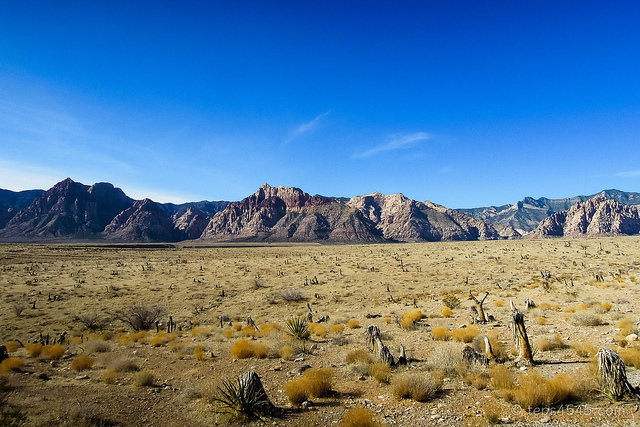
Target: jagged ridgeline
[71,211]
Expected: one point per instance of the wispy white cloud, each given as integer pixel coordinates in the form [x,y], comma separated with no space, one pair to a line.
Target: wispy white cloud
[629,174]
[305,128]
[396,143]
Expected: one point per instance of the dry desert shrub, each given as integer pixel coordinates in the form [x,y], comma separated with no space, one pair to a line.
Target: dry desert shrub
[474,375]
[541,320]
[582,307]
[53,352]
[358,417]
[585,318]
[381,372]
[440,333]
[353,324]
[228,333]
[140,317]
[420,387]
[110,376]
[499,303]
[446,357]
[387,320]
[11,364]
[465,335]
[243,349]
[121,363]
[336,329]
[143,379]
[292,295]
[237,327]
[451,301]
[447,312]
[96,346]
[570,309]
[606,306]
[550,343]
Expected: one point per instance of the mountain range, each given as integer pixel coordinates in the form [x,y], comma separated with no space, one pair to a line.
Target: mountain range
[71,211]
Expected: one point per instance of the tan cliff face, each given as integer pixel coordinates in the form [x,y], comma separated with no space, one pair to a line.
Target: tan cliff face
[595,217]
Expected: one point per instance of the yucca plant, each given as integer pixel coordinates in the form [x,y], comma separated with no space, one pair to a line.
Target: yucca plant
[245,397]
[298,327]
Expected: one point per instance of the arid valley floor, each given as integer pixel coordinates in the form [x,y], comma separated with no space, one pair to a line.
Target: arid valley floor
[585,291]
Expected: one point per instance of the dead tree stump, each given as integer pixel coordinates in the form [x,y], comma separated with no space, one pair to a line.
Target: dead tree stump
[520,338]
[482,317]
[4,354]
[613,376]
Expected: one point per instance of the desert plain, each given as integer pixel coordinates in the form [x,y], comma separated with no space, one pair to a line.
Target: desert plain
[106,373]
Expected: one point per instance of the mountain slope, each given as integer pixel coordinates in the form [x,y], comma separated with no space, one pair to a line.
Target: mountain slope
[526,215]
[595,217]
[12,202]
[67,210]
[145,221]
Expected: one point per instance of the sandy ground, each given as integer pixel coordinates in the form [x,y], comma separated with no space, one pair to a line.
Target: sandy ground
[372,284]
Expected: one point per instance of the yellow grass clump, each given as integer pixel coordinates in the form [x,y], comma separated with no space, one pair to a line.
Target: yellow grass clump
[465,335]
[11,364]
[440,333]
[228,333]
[319,381]
[34,349]
[296,391]
[381,372]
[53,352]
[243,349]
[541,320]
[353,324]
[447,312]
[143,379]
[336,329]
[626,327]
[570,309]
[268,328]
[499,303]
[110,376]
[420,387]
[606,306]
[358,356]
[82,362]
[630,356]
[409,319]
[387,320]
[201,333]
[550,343]
[75,340]
[12,346]
[237,327]
[584,349]
[199,353]
[583,306]
[358,417]
[318,330]
[501,377]
[286,352]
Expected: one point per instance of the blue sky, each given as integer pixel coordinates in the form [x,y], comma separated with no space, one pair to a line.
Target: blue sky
[463,103]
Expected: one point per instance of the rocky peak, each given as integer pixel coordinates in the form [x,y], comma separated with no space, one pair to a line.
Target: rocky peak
[598,216]
[145,221]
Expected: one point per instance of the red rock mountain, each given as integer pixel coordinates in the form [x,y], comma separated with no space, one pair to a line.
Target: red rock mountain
[595,217]
[283,213]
